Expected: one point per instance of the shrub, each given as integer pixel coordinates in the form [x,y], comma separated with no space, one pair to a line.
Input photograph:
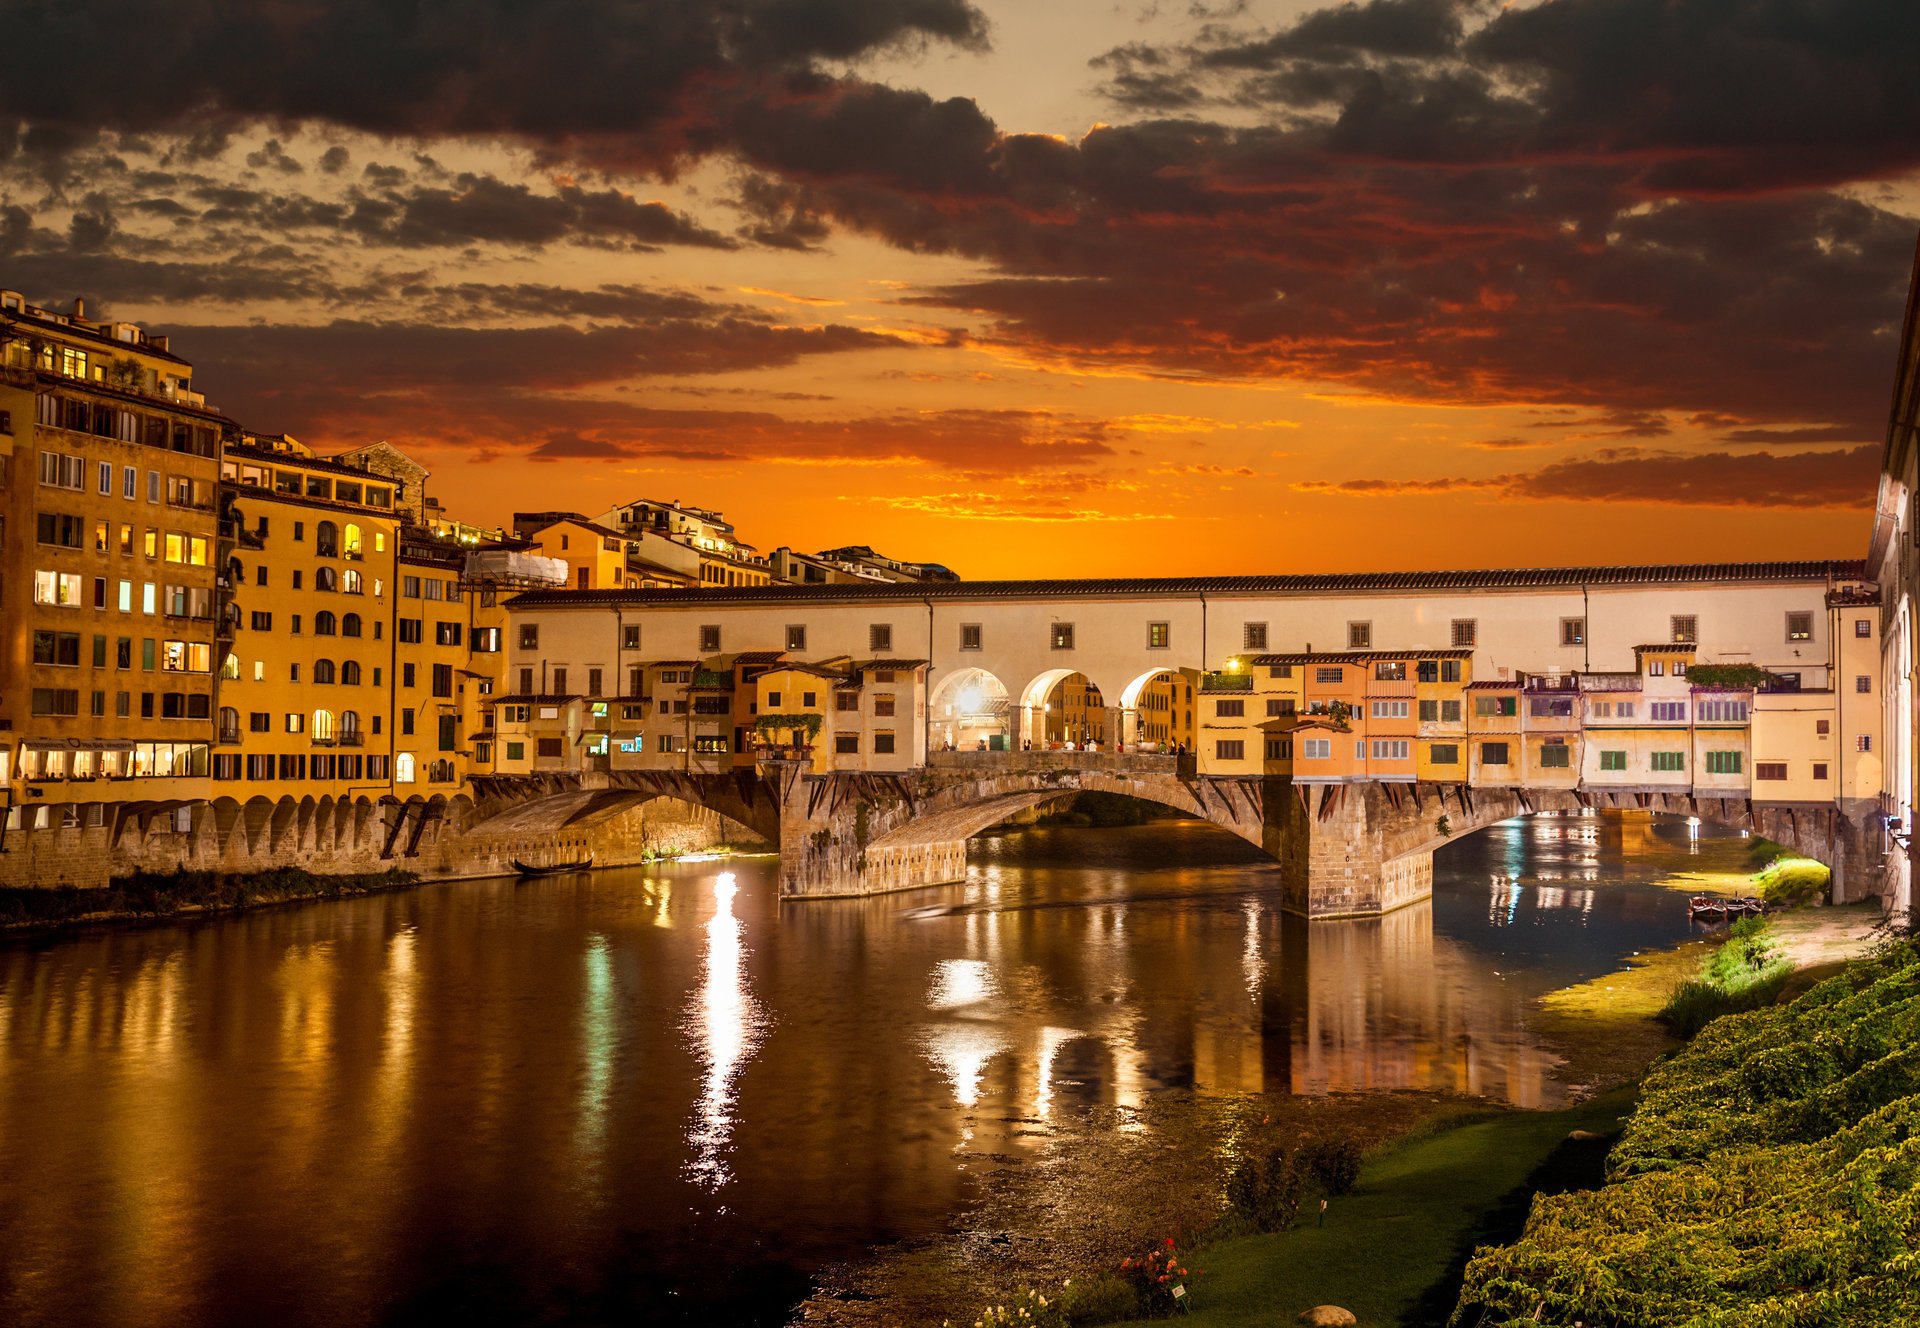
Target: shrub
[1332,1164]
[1767,1176]
[1266,1191]
[1790,881]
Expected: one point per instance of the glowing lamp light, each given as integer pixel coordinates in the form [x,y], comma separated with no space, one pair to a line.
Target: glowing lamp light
[970,699]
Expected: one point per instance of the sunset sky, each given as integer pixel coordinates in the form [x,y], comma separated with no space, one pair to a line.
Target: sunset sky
[1067,288]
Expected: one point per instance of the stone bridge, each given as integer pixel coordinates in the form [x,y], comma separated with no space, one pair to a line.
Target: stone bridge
[1343,850]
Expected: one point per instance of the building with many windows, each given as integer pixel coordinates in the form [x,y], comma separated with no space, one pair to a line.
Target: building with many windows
[107,528]
[308,550]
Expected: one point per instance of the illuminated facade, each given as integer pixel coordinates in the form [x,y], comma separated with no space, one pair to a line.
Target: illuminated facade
[308,552]
[108,520]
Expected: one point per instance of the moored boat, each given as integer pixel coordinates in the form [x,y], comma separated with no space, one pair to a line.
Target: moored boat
[552,868]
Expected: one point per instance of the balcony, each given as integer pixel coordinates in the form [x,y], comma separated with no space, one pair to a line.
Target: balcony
[350,738]
[227,736]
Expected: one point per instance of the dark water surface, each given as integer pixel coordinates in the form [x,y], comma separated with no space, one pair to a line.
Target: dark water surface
[659,1095]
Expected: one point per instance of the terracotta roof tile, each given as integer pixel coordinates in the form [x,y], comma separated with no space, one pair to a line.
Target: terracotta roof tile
[1535,578]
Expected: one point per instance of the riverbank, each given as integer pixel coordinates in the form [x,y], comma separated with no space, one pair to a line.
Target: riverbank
[1443,1176]
[147,897]
[1766,1173]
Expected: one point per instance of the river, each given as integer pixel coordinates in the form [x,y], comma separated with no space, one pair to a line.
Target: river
[660,1095]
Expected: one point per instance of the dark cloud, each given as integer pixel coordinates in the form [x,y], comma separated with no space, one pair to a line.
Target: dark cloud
[1790,481]
[482,209]
[256,366]
[551,71]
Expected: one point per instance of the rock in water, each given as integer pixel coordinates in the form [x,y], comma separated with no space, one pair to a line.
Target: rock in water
[1327,1316]
[1584,1136]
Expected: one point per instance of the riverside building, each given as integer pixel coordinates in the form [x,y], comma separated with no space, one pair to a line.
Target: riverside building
[108,465]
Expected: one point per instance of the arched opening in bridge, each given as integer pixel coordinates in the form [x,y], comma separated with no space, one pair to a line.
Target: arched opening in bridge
[1065,711]
[970,711]
[1612,866]
[1157,712]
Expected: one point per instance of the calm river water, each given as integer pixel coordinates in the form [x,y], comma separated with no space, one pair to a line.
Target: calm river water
[658,1095]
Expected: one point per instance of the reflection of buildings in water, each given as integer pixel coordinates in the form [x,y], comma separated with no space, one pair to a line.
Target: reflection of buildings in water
[1505,897]
[728,1023]
[1386,1006]
[1099,1006]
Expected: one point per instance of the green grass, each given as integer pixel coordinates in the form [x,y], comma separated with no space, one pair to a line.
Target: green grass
[1746,973]
[1393,1252]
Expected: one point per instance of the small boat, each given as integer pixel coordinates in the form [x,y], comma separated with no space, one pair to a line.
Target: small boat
[1707,906]
[552,868]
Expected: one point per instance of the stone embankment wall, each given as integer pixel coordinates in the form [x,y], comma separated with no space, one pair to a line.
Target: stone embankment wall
[347,837]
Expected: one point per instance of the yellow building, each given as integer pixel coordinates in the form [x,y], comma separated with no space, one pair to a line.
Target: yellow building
[1164,713]
[106,667]
[436,689]
[1440,699]
[309,549]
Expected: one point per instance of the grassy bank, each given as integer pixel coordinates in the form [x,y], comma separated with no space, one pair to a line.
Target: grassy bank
[165,894]
[1745,973]
[1768,1176]
[1392,1251]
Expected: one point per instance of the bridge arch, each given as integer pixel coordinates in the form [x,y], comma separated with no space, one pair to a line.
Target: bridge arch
[968,709]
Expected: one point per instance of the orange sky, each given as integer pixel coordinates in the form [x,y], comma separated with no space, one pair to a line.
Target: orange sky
[1029,289]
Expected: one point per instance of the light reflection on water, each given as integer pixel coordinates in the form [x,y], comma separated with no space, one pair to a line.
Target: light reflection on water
[654,1094]
[729,1024]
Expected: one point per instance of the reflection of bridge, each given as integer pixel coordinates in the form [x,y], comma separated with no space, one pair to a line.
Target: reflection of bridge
[1342,849]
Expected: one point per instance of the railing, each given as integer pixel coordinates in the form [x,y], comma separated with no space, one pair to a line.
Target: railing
[228,737]
[350,738]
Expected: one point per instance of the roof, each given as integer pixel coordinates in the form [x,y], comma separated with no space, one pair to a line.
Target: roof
[90,329]
[815,670]
[1354,657]
[1842,599]
[758,656]
[1668,647]
[1537,578]
[536,698]
[671,663]
[867,665]
[1497,685]
[243,452]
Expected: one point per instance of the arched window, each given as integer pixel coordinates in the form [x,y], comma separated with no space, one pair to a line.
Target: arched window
[323,670]
[230,666]
[323,623]
[229,724]
[350,583]
[323,729]
[326,579]
[403,768]
[349,728]
[236,572]
[350,624]
[350,540]
[440,772]
[326,540]
[349,673]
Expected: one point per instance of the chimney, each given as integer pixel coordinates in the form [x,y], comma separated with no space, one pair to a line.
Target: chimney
[79,308]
